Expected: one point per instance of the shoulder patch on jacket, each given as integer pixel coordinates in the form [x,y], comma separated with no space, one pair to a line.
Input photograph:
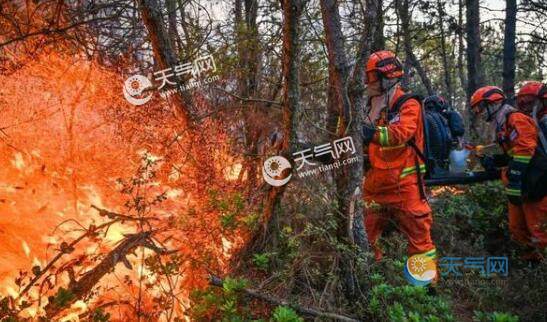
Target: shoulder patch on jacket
[513,135]
[395,119]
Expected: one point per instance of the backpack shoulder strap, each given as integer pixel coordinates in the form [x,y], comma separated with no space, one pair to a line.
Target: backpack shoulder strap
[403,99]
[418,154]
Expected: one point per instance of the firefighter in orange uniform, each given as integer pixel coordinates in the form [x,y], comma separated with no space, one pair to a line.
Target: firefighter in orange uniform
[517,133]
[532,100]
[393,187]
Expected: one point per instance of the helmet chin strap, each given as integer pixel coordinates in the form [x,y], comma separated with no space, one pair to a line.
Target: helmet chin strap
[489,114]
[387,86]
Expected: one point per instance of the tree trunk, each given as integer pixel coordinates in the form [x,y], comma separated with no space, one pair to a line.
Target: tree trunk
[475,78]
[375,15]
[349,178]
[405,26]
[164,54]
[249,56]
[461,48]
[292,10]
[509,49]
[446,67]
[176,42]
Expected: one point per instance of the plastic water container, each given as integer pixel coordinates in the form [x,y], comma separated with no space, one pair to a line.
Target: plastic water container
[458,160]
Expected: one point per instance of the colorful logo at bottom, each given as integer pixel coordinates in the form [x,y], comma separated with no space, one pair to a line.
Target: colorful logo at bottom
[420,269]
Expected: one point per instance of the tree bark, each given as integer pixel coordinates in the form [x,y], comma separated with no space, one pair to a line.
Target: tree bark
[447,75]
[164,53]
[375,14]
[475,78]
[461,48]
[80,288]
[509,49]
[247,40]
[292,10]
[405,26]
[176,42]
[349,178]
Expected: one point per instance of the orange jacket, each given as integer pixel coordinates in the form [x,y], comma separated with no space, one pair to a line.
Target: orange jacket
[392,178]
[518,138]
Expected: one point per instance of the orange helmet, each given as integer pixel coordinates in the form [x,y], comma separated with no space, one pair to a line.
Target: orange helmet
[533,88]
[384,64]
[488,94]
[528,95]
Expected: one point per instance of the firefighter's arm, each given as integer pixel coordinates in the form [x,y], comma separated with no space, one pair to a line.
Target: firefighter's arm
[523,136]
[401,131]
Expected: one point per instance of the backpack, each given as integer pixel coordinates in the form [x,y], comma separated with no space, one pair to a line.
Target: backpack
[439,134]
[535,182]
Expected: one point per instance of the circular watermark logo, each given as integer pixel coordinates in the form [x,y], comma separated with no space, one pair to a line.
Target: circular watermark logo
[134,87]
[420,269]
[273,169]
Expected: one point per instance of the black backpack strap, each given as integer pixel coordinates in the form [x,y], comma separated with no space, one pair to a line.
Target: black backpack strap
[403,99]
[419,154]
[394,110]
[412,144]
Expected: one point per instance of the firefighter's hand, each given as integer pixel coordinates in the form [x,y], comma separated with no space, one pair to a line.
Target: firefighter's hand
[495,161]
[368,133]
[487,163]
[515,174]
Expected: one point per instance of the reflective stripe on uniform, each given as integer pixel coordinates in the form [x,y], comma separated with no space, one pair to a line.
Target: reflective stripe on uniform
[412,169]
[384,148]
[512,192]
[522,158]
[431,253]
[384,137]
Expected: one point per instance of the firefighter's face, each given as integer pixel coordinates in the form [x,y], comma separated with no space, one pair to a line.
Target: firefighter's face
[374,88]
[478,109]
[526,103]
[481,110]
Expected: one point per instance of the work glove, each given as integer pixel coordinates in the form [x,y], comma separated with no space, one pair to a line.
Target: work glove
[490,163]
[487,163]
[515,174]
[368,133]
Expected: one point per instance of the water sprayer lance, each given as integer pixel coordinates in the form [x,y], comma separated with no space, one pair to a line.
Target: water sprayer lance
[479,149]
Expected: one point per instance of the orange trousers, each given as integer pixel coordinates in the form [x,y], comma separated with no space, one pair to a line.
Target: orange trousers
[416,228]
[528,223]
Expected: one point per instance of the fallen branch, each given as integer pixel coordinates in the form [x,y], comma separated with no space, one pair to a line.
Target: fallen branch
[217,281]
[78,289]
[65,248]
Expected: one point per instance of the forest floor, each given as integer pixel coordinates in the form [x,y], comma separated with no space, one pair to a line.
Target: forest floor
[469,222]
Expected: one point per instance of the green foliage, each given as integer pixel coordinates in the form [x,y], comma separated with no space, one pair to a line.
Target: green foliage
[228,221]
[407,303]
[285,314]
[221,303]
[233,285]
[100,316]
[63,297]
[231,208]
[261,261]
[494,317]
[478,216]
[251,220]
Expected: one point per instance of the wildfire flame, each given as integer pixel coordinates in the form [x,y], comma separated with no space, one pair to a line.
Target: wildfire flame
[67,136]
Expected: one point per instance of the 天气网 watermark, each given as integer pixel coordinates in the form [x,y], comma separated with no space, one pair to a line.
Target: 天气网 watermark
[274,167]
[486,266]
[136,89]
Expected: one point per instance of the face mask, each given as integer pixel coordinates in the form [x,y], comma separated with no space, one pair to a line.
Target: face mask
[490,111]
[374,89]
[377,105]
